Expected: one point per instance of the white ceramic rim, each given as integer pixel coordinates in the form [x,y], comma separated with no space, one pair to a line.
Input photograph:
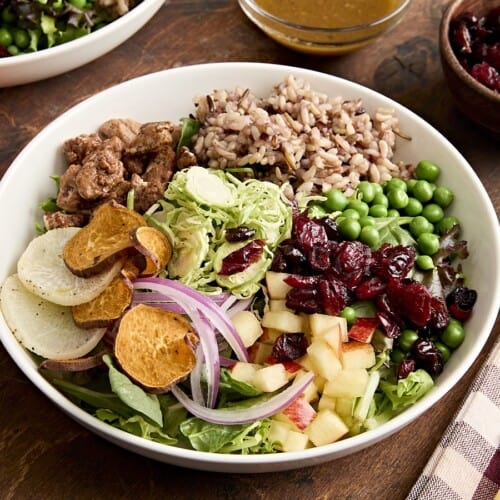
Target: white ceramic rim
[271,462]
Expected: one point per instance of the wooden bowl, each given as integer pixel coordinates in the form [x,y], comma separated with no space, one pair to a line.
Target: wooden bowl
[475,100]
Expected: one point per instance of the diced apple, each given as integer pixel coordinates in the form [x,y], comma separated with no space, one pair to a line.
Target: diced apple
[326,403]
[320,382]
[284,321]
[356,354]
[363,329]
[269,335]
[305,362]
[323,359]
[295,441]
[276,286]
[248,327]
[347,384]
[321,323]
[259,352]
[326,428]
[278,305]
[270,378]
[300,413]
[278,432]
[363,405]
[244,372]
[333,338]
[345,407]
[292,368]
[310,393]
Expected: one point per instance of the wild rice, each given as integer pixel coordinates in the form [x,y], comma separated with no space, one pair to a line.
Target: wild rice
[295,134]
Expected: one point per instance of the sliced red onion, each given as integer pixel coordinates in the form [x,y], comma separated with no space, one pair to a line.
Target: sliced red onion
[245,415]
[186,296]
[195,377]
[240,305]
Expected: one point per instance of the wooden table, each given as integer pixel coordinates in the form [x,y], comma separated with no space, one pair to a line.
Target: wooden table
[43,453]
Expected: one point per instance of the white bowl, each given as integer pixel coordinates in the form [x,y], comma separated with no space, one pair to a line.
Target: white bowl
[27,68]
[168,95]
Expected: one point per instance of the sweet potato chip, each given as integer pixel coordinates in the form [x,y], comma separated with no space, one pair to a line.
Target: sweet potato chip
[154,246]
[156,348]
[104,239]
[106,307]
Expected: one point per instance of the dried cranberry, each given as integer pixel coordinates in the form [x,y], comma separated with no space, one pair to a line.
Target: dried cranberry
[370,288]
[487,75]
[461,38]
[439,314]
[393,261]
[411,300]
[319,258]
[405,367]
[390,327]
[331,229]
[428,356]
[241,233]
[351,262]
[492,19]
[289,346]
[306,300]
[334,296]
[300,281]
[241,259]
[461,302]
[4,52]
[308,233]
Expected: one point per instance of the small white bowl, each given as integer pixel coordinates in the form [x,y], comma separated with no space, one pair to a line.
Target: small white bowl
[27,68]
[168,95]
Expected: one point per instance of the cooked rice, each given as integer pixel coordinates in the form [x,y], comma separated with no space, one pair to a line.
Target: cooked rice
[299,135]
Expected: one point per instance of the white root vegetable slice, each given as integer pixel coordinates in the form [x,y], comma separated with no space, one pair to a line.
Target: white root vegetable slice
[42,327]
[43,272]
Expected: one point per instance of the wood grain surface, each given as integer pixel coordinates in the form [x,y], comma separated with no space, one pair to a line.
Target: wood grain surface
[46,455]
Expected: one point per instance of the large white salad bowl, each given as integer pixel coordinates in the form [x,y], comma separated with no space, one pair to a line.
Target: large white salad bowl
[35,66]
[168,95]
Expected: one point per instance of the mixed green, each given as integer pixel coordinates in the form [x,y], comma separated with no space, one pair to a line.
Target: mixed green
[31,25]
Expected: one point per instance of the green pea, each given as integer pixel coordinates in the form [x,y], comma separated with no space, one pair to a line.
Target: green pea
[409,184]
[428,243]
[13,50]
[349,313]
[395,183]
[349,228]
[367,220]
[370,236]
[424,262]
[443,196]
[445,352]
[21,38]
[380,199]
[407,339]
[5,37]
[397,355]
[454,334]
[419,225]
[335,201]
[433,212]
[413,208]
[427,170]
[446,223]
[397,198]
[360,206]
[378,211]
[367,191]
[377,189]
[393,213]
[422,191]
[350,213]
[78,3]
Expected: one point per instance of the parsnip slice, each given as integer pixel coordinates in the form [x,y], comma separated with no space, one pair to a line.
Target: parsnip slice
[43,272]
[42,327]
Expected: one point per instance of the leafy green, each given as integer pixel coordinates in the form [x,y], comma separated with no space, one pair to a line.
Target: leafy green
[216,438]
[390,230]
[132,395]
[407,391]
[231,389]
[190,127]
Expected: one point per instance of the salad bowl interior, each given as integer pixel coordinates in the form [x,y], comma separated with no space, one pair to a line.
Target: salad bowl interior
[59,59]
[169,95]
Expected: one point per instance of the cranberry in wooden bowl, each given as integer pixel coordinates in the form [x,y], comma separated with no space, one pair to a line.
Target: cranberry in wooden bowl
[470,55]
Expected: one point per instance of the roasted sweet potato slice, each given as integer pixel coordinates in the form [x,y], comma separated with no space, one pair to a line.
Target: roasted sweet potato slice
[154,246]
[73,365]
[104,239]
[156,348]
[106,307]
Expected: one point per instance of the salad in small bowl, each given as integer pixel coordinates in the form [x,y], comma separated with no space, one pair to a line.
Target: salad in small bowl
[268,274]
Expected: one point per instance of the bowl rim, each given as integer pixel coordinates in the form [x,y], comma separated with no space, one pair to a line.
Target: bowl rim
[241,463]
[59,50]
[311,29]
[448,54]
